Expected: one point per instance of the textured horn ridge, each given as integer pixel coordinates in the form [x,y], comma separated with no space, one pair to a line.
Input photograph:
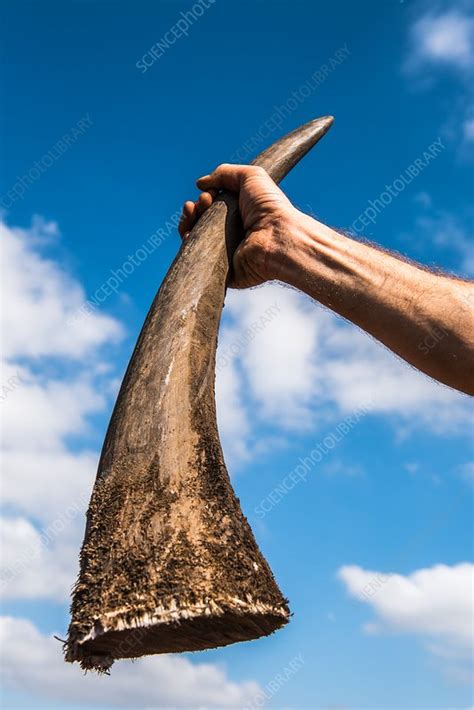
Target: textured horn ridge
[169,562]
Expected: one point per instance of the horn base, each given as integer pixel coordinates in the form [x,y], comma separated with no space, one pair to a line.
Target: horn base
[201,627]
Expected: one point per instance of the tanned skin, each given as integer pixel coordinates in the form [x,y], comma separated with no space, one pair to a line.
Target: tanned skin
[424,317]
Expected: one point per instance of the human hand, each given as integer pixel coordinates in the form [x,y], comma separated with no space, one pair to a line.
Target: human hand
[267,215]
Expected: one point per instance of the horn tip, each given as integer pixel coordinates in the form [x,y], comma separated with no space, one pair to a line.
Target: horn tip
[317,128]
[325,121]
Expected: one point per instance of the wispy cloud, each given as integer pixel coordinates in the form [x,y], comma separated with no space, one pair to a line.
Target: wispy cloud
[466,472]
[444,231]
[468,129]
[448,231]
[440,39]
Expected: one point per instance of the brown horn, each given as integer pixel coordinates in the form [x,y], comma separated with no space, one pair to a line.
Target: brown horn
[169,562]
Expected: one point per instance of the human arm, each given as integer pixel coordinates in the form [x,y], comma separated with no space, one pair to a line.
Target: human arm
[424,317]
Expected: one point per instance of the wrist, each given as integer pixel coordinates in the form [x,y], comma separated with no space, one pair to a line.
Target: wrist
[296,237]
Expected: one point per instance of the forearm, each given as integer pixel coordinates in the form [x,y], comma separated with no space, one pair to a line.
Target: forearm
[425,318]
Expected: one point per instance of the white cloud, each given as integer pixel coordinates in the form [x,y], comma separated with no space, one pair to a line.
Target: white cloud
[278,334]
[307,366]
[435,603]
[41,474]
[41,299]
[441,39]
[280,363]
[32,663]
[234,428]
[42,484]
[36,565]
[45,410]
[56,378]
[357,369]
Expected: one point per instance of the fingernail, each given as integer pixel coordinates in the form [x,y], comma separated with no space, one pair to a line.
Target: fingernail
[186,235]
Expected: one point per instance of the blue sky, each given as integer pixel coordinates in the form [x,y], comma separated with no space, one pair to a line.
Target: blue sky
[374,547]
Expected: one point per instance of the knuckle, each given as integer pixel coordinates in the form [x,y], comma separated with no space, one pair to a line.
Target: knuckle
[257,170]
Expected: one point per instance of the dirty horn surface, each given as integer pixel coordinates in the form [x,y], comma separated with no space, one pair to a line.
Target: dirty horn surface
[169,562]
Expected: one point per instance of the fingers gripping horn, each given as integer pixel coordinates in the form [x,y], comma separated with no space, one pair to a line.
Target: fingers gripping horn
[169,562]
